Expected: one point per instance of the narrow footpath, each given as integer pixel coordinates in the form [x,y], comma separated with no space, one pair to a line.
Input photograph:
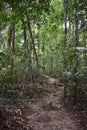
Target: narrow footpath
[47,112]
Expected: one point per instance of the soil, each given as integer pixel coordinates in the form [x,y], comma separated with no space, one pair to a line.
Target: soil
[48,111]
[45,112]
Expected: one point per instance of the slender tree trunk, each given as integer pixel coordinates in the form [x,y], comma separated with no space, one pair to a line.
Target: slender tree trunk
[9,37]
[11,48]
[65,33]
[43,47]
[65,41]
[27,49]
[76,45]
[13,38]
[32,39]
[85,52]
[9,45]
[25,34]
[33,47]
[13,52]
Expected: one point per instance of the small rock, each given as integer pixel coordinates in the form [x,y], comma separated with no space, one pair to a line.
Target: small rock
[64,128]
[44,119]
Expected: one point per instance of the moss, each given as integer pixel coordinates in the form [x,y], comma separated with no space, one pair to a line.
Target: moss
[50,89]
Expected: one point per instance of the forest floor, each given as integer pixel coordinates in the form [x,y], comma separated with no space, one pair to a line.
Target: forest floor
[44,112]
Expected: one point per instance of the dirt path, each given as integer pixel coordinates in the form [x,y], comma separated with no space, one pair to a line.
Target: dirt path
[47,112]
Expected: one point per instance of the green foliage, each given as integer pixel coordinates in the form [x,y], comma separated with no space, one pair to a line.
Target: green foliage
[39,35]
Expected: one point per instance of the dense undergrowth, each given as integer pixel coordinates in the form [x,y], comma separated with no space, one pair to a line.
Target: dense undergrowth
[12,96]
[80,109]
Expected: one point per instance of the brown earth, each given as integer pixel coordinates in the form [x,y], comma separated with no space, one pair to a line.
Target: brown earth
[44,112]
[48,112]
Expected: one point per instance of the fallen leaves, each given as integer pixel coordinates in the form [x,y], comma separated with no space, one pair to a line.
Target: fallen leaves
[12,119]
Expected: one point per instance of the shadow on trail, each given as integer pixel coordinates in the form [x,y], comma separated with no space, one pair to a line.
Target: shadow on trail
[48,111]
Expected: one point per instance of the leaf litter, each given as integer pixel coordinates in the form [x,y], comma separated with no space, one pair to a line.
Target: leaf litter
[45,112]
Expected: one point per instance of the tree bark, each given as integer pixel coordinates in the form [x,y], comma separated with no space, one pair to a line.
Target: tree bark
[32,39]
[11,48]
[9,37]
[65,41]
[24,34]
[65,32]
[76,56]
[13,52]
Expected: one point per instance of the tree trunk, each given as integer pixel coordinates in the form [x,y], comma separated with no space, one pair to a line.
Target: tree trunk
[11,48]
[33,43]
[27,49]
[9,37]
[13,52]
[25,34]
[65,41]
[32,39]
[43,48]
[85,52]
[76,56]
